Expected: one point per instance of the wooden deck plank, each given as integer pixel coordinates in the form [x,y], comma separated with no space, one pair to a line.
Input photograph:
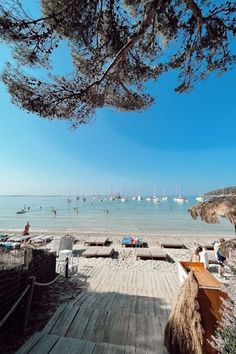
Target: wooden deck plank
[27,347]
[89,332]
[100,348]
[108,326]
[123,329]
[115,327]
[68,346]
[141,334]
[99,327]
[129,350]
[132,330]
[111,301]
[45,344]
[88,348]
[158,333]
[114,349]
[67,322]
[80,322]
[54,318]
[57,325]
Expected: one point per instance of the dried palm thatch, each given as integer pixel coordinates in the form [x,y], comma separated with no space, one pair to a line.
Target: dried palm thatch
[183,332]
[228,246]
[211,210]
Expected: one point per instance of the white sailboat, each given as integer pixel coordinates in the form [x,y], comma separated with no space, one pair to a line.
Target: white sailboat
[180,199]
[124,199]
[156,199]
[164,198]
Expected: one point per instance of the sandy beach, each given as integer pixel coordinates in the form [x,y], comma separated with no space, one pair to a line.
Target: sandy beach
[126,257]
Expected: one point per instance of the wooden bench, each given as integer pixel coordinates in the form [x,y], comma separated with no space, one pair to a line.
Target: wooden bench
[151,253]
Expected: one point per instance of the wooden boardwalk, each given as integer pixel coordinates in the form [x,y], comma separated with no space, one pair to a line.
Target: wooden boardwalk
[121,311]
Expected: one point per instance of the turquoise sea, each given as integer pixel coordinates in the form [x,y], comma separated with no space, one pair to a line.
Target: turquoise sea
[137,217]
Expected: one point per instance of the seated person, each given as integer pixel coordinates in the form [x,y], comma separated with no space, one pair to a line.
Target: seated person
[200,255]
[134,241]
[220,259]
[196,254]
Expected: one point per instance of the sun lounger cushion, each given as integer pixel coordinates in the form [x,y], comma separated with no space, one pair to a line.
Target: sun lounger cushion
[105,252]
[171,245]
[98,252]
[100,241]
[151,253]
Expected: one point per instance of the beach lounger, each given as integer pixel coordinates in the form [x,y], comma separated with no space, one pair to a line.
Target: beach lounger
[207,245]
[41,239]
[175,245]
[151,253]
[12,238]
[4,237]
[98,252]
[99,241]
[8,246]
[22,238]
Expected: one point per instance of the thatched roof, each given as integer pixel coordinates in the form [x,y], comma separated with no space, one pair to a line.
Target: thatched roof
[211,210]
[184,332]
[227,246]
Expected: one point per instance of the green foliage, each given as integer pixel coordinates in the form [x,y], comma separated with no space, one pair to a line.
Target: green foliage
[116,46]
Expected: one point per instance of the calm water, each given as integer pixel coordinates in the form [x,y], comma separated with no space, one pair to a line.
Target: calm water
[129,217]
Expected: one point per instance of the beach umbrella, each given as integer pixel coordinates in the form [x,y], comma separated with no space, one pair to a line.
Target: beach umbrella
[211,210]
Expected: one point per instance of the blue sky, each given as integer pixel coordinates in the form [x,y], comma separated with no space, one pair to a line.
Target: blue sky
[182,140]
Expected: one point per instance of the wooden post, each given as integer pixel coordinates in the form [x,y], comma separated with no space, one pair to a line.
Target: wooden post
[67,268]
[31,281]
[24,257]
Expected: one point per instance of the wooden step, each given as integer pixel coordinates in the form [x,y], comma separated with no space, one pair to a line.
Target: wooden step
[41,343]
[119,327]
